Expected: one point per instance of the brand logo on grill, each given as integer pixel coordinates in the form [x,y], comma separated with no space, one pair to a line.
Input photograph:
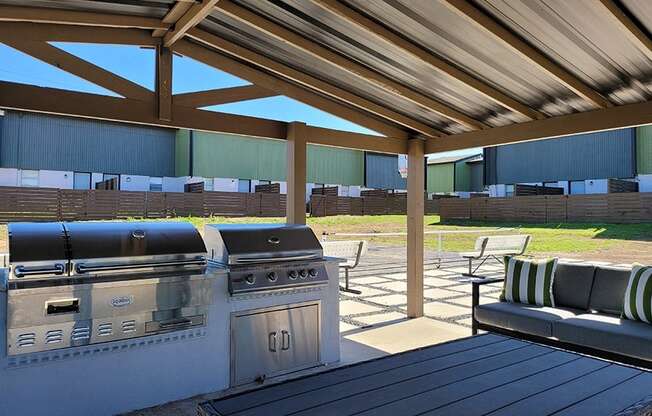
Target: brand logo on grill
[120,301]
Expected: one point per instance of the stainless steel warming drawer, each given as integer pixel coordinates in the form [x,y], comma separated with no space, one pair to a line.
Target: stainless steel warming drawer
[73,284]
[272,341]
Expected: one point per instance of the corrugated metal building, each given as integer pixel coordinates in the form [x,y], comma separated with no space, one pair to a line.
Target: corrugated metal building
[381,172]
[609,154]
[230,156]
[45,142]
[454,174]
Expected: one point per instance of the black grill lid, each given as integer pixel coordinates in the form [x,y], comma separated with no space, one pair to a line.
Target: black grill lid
[34,241]
[247,243]
[89,240]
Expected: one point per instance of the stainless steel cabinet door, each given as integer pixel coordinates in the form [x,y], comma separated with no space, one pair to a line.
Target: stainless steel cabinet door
[271,342]
[299,334]
[255,343]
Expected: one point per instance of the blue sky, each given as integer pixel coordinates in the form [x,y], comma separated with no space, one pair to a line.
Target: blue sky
[137,65]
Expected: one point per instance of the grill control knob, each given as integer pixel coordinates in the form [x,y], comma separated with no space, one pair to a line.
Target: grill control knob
[272,276]
[293,274]
[250,279]
[303,273]
[313,272]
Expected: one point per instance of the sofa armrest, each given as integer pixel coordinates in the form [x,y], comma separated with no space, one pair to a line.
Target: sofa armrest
[476,282]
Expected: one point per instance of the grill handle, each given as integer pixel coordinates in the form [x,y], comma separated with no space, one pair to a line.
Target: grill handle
[263,259]
[22,271]
[175,323]
[81,268]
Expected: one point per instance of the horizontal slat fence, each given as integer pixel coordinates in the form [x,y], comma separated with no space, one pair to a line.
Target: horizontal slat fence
[629,207]
[46,204]
[389,204]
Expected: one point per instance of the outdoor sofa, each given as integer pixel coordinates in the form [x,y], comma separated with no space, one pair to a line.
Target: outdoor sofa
[586,317]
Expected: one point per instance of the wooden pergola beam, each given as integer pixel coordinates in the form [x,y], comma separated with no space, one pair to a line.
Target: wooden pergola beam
[70,63]
[358,141]
[78,104]
[629,115]
[630,28]
[190,19]
[221,96]
[292,90]
[355,18]
[331,58]
[478,17]
[69,103]
[164,82]
[176,12]
[68,33]
[77,18]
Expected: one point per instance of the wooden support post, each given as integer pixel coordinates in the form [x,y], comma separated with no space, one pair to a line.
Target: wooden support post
[415,212]
[164,82]
[297,137]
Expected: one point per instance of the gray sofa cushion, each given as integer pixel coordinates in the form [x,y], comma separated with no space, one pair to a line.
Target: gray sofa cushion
[608,290]
[607,333]
[529,319]
[572,285]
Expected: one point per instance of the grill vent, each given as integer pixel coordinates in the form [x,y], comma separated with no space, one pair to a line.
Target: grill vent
[26,340]
[128,326]
[80,333]
[104,330]
[54,336]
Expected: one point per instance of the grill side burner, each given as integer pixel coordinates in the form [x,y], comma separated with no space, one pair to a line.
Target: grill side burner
[73,284]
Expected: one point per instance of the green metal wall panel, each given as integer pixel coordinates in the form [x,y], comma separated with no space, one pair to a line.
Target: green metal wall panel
[644,149]
[335,166]
[181,153]
[462,177]
[440,177]
[230,156]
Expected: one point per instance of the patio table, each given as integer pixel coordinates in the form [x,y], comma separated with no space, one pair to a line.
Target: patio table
[485,374]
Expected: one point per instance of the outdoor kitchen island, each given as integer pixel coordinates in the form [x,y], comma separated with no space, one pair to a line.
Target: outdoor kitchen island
[104,318]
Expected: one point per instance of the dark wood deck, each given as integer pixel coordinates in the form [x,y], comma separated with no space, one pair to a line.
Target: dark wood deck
[487,374]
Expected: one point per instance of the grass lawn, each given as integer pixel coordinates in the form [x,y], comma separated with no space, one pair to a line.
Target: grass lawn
[612,241]
[609,242]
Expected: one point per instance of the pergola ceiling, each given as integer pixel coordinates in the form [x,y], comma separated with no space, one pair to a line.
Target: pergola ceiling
[458,73]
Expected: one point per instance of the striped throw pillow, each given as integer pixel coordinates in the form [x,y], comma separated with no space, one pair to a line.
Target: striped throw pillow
[529,281]
[638,295]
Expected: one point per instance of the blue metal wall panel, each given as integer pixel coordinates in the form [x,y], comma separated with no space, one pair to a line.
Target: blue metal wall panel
[609,154]
[38,141]
[381,172]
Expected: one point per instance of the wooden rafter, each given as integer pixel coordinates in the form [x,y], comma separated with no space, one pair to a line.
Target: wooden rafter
[221,96]
[349,140]
[630,28]
[629,115]
[176,12]
[190,19]
[355,18]
[68,33]
[63,102]
[478,17]
[164,82]
[69,103]
[286,73]
[70,63]
[78,18]
[326,55]
[292,90]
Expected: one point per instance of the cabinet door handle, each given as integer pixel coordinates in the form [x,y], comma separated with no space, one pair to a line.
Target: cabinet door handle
[285,345]
[272,341]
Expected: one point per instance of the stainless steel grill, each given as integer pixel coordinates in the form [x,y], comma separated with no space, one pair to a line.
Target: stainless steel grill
[72,284]
[263,257]
[288,260]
